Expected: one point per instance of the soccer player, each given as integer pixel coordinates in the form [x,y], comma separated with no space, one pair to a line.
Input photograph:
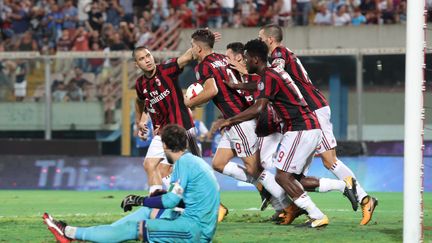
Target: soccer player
[269,132]
[192,181]
[301,129]
[240,140]
[160,97]
[287,60]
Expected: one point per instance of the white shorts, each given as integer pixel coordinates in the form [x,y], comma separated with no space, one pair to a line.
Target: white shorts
[268,146]
[328,139]
[242,138]
[296,150]
[20,89]
[156,150]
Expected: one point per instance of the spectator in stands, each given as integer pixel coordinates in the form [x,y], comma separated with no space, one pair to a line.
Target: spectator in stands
[237,19]
[402,12]
[20,86]
[304,8]
[56,19]
[323,17]
[74,93]
[128,10]
[114,13]
[145,36]
[158,14]
[20,18]
[214,13]
[96,64]
[252,19]
[283,12]
[7,74]
[126,32]
[200,14]
[81,43]
[5,16]
[267,10]
[59,93]
[46,45]
[95,18]
[386,12]
[341,17]
[185,15]
[358,18]
[108,90]
[227,12]
[70,13]
[95,38]
[26,43]
[83,84]
[370,10]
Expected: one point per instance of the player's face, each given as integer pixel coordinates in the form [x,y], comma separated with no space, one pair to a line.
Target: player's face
[263,37]
[250,65]
[144,60]
[233,56]
[196,49]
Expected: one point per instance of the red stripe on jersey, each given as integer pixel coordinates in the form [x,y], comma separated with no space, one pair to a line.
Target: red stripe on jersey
[293,66]
[278,87]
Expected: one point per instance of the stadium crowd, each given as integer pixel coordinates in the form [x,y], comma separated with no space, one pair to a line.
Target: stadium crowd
[84,25]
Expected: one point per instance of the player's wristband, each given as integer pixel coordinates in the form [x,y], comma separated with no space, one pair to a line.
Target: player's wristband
[153,202]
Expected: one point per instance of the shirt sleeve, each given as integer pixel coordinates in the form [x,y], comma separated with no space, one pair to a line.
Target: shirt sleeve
[179,181]
[171,67]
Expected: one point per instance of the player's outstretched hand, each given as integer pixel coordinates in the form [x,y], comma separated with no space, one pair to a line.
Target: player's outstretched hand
[130,201]
[241,68]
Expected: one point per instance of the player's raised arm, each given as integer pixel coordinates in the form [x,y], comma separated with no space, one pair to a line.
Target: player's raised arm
[184,59]
[210,90]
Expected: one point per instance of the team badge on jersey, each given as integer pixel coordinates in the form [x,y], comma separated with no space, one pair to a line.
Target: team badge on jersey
[260,86]
[278,54]
[158,82]
[145,91]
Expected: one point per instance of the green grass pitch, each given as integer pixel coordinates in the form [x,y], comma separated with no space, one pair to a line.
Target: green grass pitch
[21,211]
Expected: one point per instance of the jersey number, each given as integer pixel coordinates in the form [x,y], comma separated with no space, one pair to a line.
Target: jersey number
[280,156]
[238,148]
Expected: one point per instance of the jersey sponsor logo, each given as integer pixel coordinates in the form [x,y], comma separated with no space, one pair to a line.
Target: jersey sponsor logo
[158,97]
[158,82]
[260,86]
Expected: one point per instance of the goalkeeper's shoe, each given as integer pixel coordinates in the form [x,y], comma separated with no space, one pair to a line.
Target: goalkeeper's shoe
[351,191]
[316,223]
[368,205]
[57,228]
[223,211]
[289,214]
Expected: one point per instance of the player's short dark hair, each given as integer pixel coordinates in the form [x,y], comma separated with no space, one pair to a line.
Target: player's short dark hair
[139,48]
[273,30]
[236,47]
[174,137]
[257,48]
[204,36]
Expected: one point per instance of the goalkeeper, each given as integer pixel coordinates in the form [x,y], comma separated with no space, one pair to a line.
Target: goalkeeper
[192,181]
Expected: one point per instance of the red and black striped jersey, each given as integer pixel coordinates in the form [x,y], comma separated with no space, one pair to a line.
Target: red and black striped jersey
[163,97]
[268,121]
[277,86]
[229,101]
[285,58]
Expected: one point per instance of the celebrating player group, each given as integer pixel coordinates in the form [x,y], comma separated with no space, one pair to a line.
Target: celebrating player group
[274,119]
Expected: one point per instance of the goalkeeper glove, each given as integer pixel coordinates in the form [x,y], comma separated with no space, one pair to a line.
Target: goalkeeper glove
[131,200]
